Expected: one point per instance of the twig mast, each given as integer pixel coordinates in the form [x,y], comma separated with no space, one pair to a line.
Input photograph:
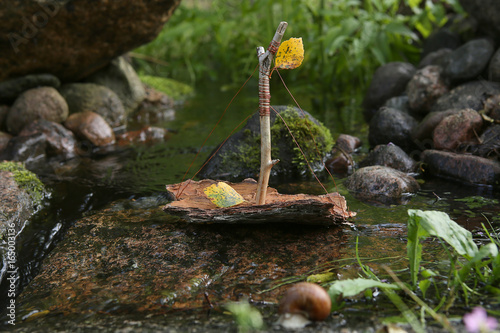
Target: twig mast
[265,61]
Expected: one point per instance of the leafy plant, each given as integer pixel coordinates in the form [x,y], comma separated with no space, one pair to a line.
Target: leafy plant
[345,41]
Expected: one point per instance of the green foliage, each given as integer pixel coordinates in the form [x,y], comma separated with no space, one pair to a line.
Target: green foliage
[26,180]
[344,40]
[247,317]
[174,89]
[473,270]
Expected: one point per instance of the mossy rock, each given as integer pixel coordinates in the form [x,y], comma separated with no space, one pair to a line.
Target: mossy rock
[174,89]
[239,158]
[21,195]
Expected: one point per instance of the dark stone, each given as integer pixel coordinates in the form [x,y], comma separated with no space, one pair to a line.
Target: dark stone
[339,162]
[381,184]
[441,39]
[91,127]
[470,95]
[492,107]
[239,156]
[459,167]
[391,125]
[468,61]
[348,143]
[494,67]
[71,39]
[425,87]
[120,77]
[457,128]
[10,89]
[425,128]
[38,103]
[388,81]
[391,156]
[489,143]
[82,97]
[28,149]
[487,14]
[60,141]
[436,58]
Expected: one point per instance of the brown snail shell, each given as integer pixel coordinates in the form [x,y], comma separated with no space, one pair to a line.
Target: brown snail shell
[308,299]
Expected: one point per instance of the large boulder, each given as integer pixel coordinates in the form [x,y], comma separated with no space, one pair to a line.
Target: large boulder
[239,156]
[72,39]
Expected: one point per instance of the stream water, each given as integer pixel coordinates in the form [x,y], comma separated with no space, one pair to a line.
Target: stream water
[138,175]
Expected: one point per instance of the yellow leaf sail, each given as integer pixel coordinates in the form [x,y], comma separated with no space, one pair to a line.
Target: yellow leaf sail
[223,195]
[290,54]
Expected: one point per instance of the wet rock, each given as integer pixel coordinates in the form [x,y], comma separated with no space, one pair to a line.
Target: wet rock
[391,125]
[388,81]
[92,127]
[120,77]
[28,149]
[156,107]
[436,58]
[72,39]
[468,61]
[339,162]
[146,135]
[348,143]
[82,97]
[145,263]
[239,157]
[494,67]
[391,156]
[487,14]
[425,128]
[21,194]
[489,143]
[461,167]
[10,89]
[425,87]
[441,39]
[39,103]
[469,95]
[492,107]
[60,141]
[457,128]
[4,140]
[381,184]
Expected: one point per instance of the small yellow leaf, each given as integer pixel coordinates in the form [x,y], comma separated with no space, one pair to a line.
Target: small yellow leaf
[290,54]
[223,195]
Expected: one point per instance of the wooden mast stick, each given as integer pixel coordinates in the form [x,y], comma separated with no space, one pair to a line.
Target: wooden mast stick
[265,61]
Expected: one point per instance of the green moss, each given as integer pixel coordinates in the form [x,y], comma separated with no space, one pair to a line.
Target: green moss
[304,130]
[172,88]
[26,180]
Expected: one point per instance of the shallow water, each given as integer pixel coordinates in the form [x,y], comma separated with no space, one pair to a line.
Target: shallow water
[136,177]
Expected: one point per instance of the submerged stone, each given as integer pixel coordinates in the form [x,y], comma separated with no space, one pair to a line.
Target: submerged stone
[459,167]
[381,184]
